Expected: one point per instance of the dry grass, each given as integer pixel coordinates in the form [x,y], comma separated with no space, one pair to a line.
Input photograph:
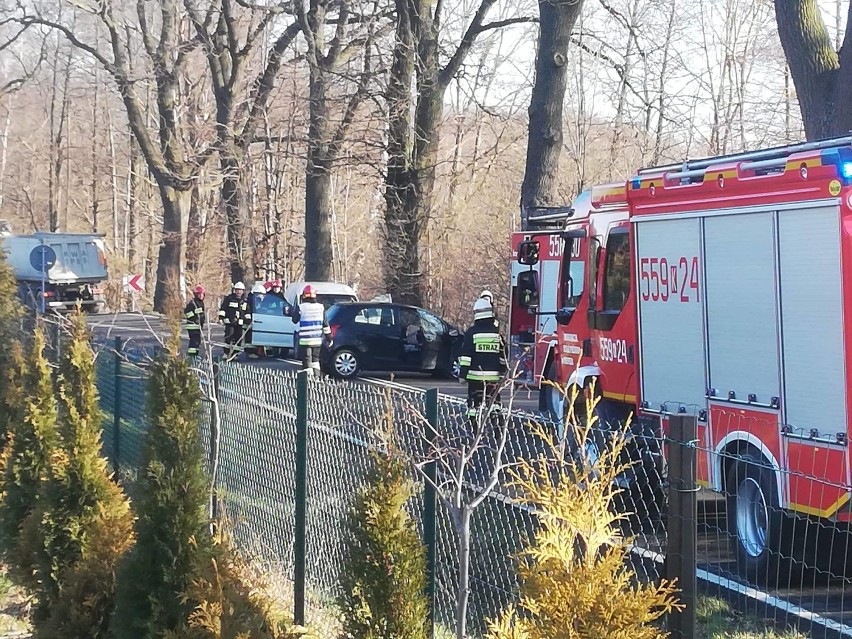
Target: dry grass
[717,620]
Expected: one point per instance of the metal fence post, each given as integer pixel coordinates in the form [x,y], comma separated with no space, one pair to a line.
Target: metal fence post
[681,549]
[213,460]
[430,509]
[116,409]
[301,490]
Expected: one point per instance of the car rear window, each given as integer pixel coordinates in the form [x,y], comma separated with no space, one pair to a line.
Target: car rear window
[328,300]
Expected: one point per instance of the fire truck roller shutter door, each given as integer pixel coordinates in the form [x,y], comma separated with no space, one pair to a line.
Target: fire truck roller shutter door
[812,315]
[671,315]
[742,305]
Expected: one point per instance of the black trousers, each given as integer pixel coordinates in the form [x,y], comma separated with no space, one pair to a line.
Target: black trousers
[233,339]
[479,393]
[194,341]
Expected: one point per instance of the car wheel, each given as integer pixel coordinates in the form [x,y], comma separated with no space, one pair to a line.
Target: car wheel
[345,363]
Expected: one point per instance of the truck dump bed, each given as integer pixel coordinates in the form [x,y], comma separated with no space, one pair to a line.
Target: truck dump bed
[80,257]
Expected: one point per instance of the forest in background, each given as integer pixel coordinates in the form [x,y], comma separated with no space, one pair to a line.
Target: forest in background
[276,125]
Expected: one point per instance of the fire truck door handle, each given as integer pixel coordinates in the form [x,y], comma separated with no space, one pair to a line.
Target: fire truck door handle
[630,354]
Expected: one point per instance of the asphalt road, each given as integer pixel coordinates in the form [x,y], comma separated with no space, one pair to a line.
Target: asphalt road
[147,332]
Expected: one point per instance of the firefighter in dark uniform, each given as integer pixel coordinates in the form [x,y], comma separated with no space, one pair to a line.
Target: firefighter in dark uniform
[195,320]
[231,315]
[483,360]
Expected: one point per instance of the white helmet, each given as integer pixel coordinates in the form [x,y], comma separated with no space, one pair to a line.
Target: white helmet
[258,288]
[239,286]
[487,295]
[482,309]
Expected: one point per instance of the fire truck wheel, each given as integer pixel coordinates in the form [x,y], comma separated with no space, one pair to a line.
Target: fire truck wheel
[755,518]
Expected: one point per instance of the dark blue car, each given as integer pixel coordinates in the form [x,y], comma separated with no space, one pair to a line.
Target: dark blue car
[371,336]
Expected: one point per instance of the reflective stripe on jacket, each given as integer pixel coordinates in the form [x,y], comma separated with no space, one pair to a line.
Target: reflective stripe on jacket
[312,324]
[231,310]
[194,314]
[483,355]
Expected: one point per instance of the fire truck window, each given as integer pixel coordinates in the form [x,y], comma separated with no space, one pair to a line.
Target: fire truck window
[617,274]
[573,274]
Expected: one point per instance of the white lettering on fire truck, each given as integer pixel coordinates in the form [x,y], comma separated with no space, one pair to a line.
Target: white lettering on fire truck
[661,280]
[567,361]
[572,350]
[613,350]
[571,337]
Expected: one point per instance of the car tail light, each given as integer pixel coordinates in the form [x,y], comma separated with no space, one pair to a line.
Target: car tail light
[48,293]
[334,328]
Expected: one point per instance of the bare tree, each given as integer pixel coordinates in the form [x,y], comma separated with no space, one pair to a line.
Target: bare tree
[230,36]
[464,464]
[327,59]
[544,146]
[170,160]
[417,85]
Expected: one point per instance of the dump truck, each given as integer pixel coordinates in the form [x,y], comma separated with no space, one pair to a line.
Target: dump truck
[57,271]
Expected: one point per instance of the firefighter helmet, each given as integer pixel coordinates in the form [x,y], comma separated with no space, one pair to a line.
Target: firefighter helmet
[199,290]
[487,295]
[309,293]
[258,288]
[482,309]
[276,283]
[239,286]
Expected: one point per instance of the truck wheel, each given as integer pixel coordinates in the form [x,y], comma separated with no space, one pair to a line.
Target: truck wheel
[754,517]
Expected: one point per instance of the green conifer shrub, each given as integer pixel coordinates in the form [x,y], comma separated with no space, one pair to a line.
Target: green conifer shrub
[83,524]
[11,310]
[33,443]
[384,571]
[172,528]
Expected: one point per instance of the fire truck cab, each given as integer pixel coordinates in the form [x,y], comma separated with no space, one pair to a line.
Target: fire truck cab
[718,288]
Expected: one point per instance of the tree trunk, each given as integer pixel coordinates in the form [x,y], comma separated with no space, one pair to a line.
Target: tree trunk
[318,254]
[823,80]
[463,596]
[193,234]
[233,200]
[168,296]
[544,144]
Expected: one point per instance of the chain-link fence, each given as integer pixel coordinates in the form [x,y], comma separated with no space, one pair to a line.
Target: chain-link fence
[765,528]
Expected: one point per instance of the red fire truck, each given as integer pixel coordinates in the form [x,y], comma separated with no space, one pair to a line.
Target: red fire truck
[715,288]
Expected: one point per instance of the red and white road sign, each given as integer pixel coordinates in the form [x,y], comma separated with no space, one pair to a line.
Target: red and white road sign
[134,283]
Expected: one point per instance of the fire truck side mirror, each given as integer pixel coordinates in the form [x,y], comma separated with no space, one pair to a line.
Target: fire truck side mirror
[527,289]
[528,252]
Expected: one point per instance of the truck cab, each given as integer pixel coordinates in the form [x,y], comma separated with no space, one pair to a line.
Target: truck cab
[593,343]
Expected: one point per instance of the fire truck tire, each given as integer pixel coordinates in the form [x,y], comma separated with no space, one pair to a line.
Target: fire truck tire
[554,401]
[755,519]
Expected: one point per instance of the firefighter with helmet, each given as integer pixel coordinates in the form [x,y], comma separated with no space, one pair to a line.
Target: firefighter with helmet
[275,289]
[231,314]
[489,297]
[195,320]
[483,360]
[313,328]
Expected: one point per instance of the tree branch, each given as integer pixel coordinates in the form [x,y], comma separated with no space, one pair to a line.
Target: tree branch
[446,74]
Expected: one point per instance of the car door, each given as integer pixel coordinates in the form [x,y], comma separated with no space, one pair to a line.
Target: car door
[434,343]
[268,321]
[413,339]
[376,333]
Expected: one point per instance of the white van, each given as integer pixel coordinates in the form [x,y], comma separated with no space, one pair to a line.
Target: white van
[270,325]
